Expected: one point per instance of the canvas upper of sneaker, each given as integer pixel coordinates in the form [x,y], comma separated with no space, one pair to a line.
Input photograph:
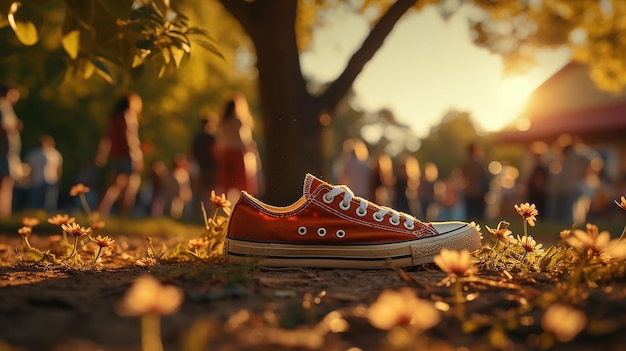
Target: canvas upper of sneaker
[325,214]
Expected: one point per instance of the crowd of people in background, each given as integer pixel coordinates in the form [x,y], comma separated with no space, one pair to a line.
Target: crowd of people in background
[222,156]
[567,182]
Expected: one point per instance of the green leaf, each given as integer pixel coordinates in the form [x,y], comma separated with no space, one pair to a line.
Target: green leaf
[54,69]
[118,8]
[71,43]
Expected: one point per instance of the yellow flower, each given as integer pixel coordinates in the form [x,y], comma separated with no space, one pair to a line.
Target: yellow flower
[105,241]
[621,204]
[197,243]
[564,234]
[528,212]
[75,229]
[25,231]
[61,219]
[78,189]
[147,296]
[616,251]
[529,244]
[29,221]
[219,201]
[590,242]
[502,233]
[455,262]
[565,322]
[396,308]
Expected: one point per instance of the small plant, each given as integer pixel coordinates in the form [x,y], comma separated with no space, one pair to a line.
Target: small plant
[209,247]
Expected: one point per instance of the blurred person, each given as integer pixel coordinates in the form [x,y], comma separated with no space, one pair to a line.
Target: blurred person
[354,169]
[10,148]
[475,183]
[406,187]
[426,191]
[203,164]
[383,179]
[537,183]
[449,197]
[237,156]
[157,188]
[121,147]
[180,187]
[46,167]
[569,183]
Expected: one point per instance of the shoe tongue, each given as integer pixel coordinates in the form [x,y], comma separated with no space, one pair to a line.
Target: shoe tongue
[311,183]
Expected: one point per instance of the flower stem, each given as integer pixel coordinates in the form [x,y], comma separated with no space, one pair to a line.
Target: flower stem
[27,242]
[83,201]
[458,299]
[151,333]
[95,260]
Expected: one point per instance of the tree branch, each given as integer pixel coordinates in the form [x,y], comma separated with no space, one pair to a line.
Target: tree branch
[243,11]
[338,89]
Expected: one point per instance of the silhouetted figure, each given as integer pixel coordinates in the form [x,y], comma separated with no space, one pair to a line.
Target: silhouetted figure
[180,187]
[426,191]
[238,161]
[405,198]
[122,148]
[46,167]
[476,182]
[382,179]
[354,169]
[10,147]
[203,165]
[449,196]
[537,183]
[569,184]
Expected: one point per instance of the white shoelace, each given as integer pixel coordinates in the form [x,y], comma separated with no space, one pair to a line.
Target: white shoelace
[361,210]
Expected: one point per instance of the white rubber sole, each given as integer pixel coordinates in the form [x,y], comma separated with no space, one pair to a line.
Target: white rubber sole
[455,235]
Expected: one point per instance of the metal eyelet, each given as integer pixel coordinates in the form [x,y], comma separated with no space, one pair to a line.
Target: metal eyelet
[409,226]
[377,217]
[321,231]
[340,233]
[327,199]
[302,230]
[394,221]
[344,206]
[361,211]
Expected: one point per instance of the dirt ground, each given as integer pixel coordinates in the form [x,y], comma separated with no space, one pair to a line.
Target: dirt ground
[64,309]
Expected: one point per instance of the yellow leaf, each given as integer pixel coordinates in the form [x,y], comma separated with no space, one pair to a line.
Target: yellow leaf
[88,69]
[177,55]
[71,43]
[25,31]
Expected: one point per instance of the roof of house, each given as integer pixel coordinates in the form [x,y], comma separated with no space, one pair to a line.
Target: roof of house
[569,103]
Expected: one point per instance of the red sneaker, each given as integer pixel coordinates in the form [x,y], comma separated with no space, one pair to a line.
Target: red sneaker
[331,228]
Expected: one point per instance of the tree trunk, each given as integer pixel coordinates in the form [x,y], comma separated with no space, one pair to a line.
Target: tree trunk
[293,133]
[290,114]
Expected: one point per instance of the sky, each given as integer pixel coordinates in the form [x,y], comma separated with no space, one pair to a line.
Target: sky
[427,67]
